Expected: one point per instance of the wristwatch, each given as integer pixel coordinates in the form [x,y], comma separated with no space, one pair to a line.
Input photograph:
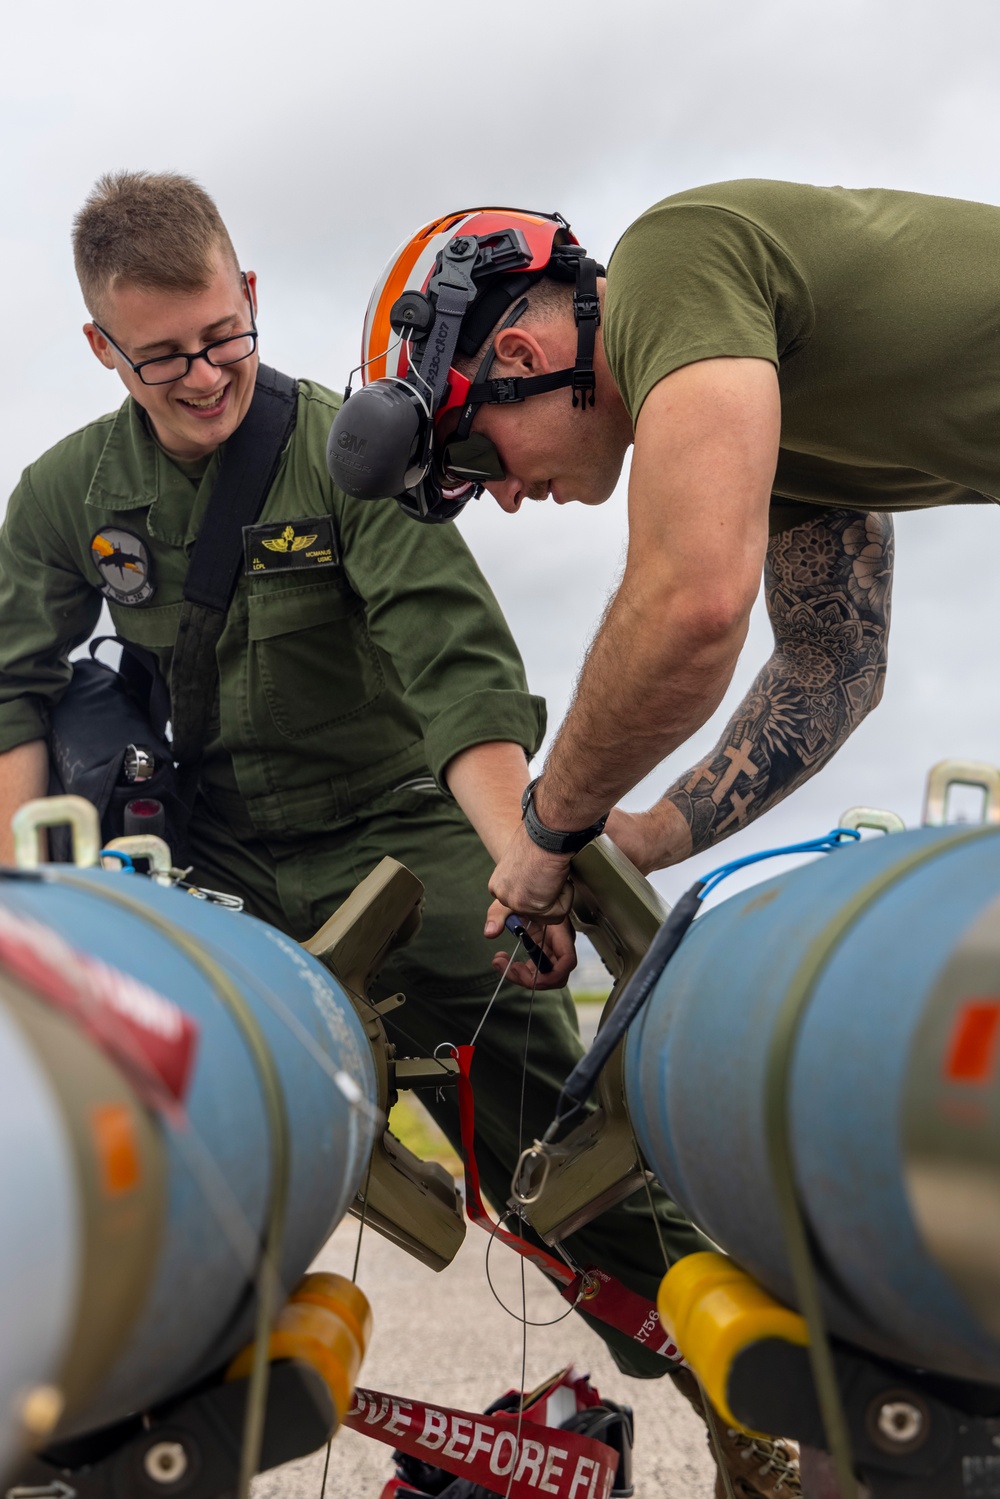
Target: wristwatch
[549,839]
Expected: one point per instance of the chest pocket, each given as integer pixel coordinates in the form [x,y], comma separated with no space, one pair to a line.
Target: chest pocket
[312,660]
[154,627]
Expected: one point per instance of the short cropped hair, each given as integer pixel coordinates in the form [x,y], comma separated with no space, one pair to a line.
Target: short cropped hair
[548,301]
[156,230]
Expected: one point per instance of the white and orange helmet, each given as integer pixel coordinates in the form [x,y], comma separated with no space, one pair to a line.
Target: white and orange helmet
[440,295]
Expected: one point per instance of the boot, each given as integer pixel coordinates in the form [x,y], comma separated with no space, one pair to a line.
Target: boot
[757,1467]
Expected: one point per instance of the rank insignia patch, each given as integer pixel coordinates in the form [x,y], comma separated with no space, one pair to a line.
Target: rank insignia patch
[123,565]
[290,546]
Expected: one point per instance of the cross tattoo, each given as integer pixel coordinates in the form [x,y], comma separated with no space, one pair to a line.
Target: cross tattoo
[739,812]
[701,773]
[740,763]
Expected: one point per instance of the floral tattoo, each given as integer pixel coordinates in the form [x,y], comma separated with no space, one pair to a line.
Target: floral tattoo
[828,585]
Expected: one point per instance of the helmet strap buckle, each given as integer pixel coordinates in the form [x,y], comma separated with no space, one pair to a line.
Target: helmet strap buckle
[587,316]
[583,386]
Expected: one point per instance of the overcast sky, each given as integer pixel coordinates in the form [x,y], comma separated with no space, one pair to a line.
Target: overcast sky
[327,132]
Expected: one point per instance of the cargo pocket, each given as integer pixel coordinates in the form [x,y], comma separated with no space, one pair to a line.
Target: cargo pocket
[311,657]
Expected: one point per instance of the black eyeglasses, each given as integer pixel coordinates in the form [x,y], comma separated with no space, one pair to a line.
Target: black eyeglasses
[167,368]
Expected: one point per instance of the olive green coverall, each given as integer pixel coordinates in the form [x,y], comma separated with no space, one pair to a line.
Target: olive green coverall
[345,686]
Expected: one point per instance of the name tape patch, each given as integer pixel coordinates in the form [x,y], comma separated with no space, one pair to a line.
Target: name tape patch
[290,546]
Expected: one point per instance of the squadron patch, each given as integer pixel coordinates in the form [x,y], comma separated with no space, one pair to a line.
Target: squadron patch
[289,546]
[124,566]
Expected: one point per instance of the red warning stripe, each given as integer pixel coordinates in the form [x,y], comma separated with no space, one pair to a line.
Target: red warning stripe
[489,1450]
[972,1055]
[145,1033]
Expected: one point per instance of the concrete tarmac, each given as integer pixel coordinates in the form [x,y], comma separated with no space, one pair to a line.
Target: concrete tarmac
[443,1338]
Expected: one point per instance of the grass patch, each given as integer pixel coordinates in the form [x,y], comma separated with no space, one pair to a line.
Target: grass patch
[411,1123]
[591,996]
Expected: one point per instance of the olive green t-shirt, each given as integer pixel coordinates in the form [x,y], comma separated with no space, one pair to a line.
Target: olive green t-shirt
[880,310]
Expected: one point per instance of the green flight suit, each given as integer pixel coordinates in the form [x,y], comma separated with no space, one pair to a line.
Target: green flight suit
[344,688]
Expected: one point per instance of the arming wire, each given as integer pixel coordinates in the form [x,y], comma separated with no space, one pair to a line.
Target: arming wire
[524,1293]
[493,996]
[507,1216]
[524,1366]
[553,1321]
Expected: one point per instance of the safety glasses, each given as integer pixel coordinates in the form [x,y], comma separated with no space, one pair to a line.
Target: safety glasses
[468,456]
[472,458]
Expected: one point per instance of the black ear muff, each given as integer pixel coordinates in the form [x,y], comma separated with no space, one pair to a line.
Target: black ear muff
[377,441]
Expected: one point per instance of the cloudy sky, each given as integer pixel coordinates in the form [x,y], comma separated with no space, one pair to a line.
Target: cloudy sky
[328,131]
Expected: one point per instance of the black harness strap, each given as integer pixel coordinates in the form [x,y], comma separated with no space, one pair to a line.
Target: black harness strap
[248,468]
[249,465]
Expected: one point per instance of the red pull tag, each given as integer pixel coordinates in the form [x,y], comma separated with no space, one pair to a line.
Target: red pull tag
[603,1296]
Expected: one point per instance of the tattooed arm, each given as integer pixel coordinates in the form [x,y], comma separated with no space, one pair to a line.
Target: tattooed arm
[828,585]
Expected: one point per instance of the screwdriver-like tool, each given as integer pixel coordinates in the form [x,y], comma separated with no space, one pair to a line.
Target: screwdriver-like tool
[517,928]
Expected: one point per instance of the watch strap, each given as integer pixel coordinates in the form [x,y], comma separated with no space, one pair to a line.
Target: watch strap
[551,839]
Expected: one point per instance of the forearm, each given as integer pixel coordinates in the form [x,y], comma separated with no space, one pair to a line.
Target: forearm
[656,671]
[825,675]
[753,767]
[706,442]
[24,775]
[487,781]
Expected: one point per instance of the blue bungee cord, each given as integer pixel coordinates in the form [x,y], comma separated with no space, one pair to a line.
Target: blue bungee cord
[580,1083]
[126,864]
[824,845]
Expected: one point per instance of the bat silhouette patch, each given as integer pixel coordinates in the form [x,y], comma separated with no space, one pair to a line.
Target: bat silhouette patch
[124,566]
[289,546]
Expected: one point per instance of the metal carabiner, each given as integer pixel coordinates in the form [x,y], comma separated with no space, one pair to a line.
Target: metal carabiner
[534,1152]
